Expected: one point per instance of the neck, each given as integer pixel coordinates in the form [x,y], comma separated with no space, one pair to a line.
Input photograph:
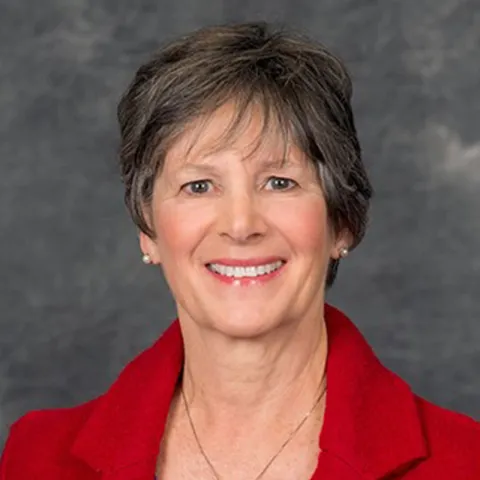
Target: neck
[254,380]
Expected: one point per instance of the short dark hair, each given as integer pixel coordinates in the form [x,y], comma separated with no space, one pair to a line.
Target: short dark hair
[297,82]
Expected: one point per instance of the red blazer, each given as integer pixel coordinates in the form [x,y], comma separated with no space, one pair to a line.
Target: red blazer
[375,427]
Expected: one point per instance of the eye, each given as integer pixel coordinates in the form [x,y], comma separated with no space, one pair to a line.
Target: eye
[281,183]
[197,187]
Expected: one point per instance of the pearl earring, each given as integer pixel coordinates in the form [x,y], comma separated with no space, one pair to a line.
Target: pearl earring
[343,252]
[146,259]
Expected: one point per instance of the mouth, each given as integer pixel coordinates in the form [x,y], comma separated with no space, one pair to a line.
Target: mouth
[246,272]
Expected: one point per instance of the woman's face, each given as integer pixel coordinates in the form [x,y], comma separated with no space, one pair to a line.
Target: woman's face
[242,236]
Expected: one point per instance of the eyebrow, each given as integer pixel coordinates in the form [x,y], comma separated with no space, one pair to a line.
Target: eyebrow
[207,168]
[279,163]
[198,168]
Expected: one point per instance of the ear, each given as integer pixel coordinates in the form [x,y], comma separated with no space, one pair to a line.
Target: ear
[342,243]
[148,246]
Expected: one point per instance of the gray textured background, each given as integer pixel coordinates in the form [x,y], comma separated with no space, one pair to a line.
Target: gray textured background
[76,301]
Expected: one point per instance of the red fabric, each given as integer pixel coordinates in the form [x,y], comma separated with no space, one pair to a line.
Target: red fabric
[375,427]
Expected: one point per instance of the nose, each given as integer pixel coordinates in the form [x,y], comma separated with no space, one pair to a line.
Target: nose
[241,218]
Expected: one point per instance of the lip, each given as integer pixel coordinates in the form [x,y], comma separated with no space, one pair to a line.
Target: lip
[246,262]
[251,262]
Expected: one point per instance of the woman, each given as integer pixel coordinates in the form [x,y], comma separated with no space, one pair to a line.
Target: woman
[244,177]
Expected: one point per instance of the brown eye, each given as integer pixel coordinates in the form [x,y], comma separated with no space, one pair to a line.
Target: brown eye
[281,183]
[197,187]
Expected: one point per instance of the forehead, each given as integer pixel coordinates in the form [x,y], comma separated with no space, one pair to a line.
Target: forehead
[250,132]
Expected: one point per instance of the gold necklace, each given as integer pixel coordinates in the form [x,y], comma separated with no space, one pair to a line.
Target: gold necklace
[285,443]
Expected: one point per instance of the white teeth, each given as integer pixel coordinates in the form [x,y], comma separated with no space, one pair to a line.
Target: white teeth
[240,272]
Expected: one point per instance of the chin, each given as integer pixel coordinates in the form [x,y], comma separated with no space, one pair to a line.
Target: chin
[246,327]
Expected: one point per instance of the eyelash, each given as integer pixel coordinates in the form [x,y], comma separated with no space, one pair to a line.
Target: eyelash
[186,186]
[285,179]
[190,184]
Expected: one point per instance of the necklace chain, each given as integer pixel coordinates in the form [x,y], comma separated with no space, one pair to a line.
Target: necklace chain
[323,389]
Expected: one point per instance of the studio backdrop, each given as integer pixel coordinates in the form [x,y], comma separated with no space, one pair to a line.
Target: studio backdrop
[76,301]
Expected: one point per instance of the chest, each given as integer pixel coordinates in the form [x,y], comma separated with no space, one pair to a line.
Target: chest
[299,467]
[181,458]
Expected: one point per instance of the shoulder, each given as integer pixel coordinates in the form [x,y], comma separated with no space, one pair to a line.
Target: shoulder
[62,422]
[448,430]
[453,439]
[41,437]
[72,442]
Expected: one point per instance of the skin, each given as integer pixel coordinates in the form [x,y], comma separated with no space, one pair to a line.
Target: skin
[255,355]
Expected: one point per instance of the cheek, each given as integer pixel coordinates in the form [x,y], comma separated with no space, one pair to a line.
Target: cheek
[304,223]
[179,229]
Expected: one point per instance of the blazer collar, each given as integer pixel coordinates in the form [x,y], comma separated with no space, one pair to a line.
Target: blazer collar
[372,424]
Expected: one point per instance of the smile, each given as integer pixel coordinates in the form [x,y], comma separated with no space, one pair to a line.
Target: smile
[242,272]
[246,273]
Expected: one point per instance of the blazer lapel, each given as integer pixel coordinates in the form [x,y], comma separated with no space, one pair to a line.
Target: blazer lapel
[372,425]
[121,438]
